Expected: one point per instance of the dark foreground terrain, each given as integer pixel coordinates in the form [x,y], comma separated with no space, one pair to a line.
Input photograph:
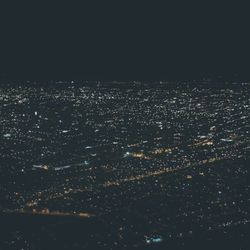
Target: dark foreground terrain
[124,166]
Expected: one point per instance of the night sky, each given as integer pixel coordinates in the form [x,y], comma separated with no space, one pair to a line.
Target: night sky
[121,41]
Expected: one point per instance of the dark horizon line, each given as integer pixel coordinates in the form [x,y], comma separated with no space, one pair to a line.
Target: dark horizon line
[102,77]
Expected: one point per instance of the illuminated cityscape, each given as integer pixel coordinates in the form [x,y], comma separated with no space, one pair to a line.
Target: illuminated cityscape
[135,165]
